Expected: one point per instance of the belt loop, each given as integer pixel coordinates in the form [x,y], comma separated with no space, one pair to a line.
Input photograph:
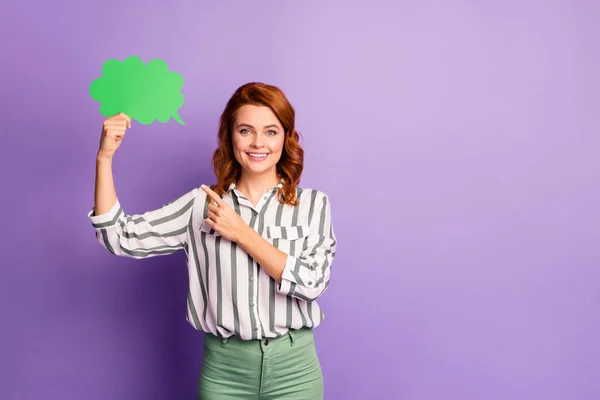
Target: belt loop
[292,336]
[224,342]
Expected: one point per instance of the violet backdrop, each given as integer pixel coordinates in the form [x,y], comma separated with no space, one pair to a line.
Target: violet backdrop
[458,142]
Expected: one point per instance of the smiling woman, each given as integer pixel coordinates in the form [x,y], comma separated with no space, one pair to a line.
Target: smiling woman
[258,124]
[259,249]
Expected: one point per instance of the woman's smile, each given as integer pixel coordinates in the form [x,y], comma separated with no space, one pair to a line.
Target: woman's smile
[257,157]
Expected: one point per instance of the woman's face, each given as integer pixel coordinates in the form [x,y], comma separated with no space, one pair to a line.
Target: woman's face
[257,138]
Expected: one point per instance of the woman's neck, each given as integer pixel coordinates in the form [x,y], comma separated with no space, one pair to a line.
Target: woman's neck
[255,186]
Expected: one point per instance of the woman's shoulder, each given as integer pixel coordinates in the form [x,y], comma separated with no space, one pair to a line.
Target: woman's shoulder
[311,195]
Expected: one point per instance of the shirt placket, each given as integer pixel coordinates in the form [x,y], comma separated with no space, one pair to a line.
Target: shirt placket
[253,278]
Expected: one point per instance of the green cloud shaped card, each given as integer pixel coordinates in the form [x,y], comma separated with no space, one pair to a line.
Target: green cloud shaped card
[144,92]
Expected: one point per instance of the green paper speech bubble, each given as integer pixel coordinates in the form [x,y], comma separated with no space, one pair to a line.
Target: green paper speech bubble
[143,92]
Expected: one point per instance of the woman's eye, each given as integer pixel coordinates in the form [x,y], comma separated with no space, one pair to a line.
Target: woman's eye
[244,131]
[271,133]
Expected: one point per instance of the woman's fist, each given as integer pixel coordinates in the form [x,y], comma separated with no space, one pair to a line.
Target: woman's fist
[113,132]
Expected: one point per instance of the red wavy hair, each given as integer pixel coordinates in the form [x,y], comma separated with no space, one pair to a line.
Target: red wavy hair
[290,165]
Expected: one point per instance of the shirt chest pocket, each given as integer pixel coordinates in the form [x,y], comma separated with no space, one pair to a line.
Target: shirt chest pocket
[285,236]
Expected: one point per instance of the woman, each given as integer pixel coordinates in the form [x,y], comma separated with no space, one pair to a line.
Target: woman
[259,249]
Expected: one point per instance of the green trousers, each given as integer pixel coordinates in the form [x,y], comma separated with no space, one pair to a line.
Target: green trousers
[286,367]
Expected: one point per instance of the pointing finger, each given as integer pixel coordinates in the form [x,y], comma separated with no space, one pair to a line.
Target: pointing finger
[212,194]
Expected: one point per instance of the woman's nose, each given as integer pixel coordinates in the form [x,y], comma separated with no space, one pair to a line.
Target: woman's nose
[257,141]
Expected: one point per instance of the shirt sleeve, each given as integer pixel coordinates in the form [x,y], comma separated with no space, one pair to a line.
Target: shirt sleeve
[306,276]
[157,232]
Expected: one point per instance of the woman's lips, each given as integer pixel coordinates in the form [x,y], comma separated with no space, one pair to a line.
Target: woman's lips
[257,157]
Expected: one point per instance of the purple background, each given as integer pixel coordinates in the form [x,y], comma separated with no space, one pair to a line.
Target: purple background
[458,143]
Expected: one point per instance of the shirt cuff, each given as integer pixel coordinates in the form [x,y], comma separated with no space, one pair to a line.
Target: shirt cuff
[286,277]
[289,276]
[107,219]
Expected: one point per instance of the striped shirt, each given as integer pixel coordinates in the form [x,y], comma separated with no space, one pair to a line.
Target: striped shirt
[229,293]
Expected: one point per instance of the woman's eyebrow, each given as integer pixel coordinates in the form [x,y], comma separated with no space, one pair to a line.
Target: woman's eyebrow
[251,127]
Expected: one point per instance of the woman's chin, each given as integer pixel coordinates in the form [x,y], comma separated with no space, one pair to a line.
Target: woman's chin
[258,169]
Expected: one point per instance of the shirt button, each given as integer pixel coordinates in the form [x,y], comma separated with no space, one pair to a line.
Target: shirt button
[310,283]
[266,342]
[255,328]
[251,304]
[252,279]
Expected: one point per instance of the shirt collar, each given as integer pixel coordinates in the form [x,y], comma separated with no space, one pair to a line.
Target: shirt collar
[278,186]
